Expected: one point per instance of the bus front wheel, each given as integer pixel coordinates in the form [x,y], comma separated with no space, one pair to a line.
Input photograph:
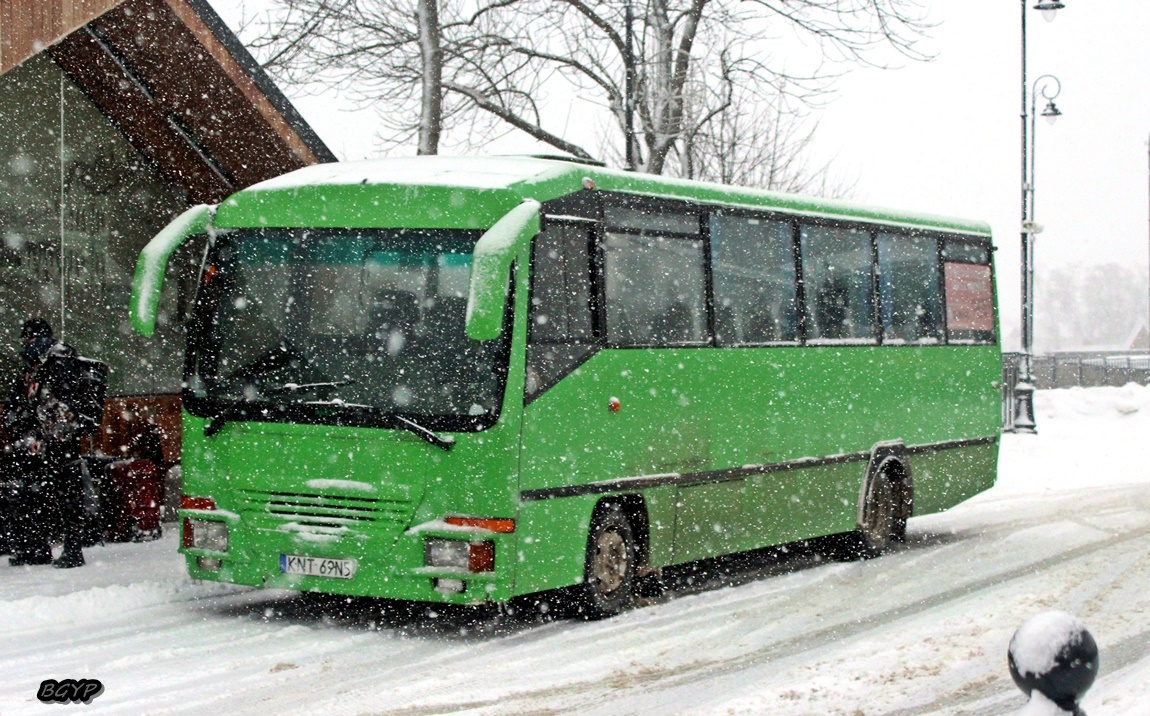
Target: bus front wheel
[609,572]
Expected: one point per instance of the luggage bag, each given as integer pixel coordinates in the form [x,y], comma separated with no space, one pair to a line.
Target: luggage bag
[137,492]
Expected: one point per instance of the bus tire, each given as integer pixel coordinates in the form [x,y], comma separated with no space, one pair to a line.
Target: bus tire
[880,523]
[610,566]
[881,516]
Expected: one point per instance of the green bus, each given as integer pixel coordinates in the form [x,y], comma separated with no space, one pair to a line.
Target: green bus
[462,380]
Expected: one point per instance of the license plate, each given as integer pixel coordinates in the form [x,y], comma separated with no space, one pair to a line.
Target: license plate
[317,566]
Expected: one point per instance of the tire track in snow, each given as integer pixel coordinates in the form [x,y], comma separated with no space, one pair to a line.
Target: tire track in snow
[993,699]
[587,696]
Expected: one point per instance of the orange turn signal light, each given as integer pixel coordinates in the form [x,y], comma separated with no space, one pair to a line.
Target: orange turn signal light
[495,524]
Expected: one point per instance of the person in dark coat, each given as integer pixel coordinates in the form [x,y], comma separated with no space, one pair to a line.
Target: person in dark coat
[42,453]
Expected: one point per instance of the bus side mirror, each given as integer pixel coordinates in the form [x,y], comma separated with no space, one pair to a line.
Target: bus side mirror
[491,268]
[153,263]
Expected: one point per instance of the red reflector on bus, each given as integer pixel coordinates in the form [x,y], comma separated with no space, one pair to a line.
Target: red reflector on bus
[495,524]
[481,557]
[197,503]
[189,540]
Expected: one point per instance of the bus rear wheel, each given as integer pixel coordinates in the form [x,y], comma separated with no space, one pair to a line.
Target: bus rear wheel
[880,523]
[609,571]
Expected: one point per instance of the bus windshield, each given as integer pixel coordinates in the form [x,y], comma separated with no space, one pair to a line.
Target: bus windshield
[343,326]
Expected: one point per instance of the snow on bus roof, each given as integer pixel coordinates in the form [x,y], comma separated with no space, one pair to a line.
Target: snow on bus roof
[474,172]
[529,177]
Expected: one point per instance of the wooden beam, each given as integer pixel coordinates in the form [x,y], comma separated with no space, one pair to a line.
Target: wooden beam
[167,73]
[27,27]
[188,85]
[243,81]
[129,106]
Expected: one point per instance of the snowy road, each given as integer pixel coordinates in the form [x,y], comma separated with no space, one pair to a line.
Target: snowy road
[923,630]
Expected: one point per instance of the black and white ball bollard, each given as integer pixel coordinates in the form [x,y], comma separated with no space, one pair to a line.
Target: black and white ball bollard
[1053,654]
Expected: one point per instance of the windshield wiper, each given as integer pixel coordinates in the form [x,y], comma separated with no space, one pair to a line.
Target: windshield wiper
[216,422]
[423,433]
[293,388]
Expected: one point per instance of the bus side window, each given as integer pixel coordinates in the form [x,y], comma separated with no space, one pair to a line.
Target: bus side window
[655,290]
[969,288]
[753,265]
[838,283]
[559,334]
[909,288]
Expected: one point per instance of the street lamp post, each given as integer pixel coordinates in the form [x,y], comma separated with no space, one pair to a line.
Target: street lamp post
[1023,418]
[1049,87]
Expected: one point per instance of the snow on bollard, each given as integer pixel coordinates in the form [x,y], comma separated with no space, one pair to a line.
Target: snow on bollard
[1054,660]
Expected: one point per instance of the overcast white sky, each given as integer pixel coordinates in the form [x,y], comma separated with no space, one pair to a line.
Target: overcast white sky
[943,136]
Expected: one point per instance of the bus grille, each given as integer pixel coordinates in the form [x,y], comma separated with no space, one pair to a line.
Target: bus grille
[332,515]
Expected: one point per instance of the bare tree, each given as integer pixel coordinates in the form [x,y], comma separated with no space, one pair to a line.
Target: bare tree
[756,143]
[479,67]
[424,63]
[431,80]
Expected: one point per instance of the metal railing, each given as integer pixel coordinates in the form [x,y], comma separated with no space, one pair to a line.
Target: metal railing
[1073,369]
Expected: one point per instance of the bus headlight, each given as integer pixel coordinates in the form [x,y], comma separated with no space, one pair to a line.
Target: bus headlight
[460,555]
[206,534]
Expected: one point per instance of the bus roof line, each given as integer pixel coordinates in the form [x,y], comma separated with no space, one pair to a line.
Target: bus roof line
[941,225]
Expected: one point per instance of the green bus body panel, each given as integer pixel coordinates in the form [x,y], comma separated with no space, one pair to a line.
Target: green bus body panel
[686,414]
[946,478]
[695,411]
[268,474]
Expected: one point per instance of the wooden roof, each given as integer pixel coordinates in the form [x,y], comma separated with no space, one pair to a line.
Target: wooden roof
[175,81]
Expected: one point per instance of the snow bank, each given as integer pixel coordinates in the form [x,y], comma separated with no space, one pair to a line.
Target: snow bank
[1088,426]
[1130,401]
[109,603]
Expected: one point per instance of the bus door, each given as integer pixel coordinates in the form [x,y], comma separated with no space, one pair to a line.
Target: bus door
[560,334]
[559,421]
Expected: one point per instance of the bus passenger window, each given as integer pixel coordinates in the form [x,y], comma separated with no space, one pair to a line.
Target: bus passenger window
[838,286]
[969,293]
[909,289]
[753,264]
[655,290]
[561,286]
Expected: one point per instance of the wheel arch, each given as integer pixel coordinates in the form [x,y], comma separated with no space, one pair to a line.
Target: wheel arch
[634,507]
[890,457]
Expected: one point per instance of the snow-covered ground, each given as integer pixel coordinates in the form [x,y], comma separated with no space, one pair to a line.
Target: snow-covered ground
[923,630]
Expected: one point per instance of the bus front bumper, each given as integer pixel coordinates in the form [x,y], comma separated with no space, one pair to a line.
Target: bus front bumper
[355,564]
